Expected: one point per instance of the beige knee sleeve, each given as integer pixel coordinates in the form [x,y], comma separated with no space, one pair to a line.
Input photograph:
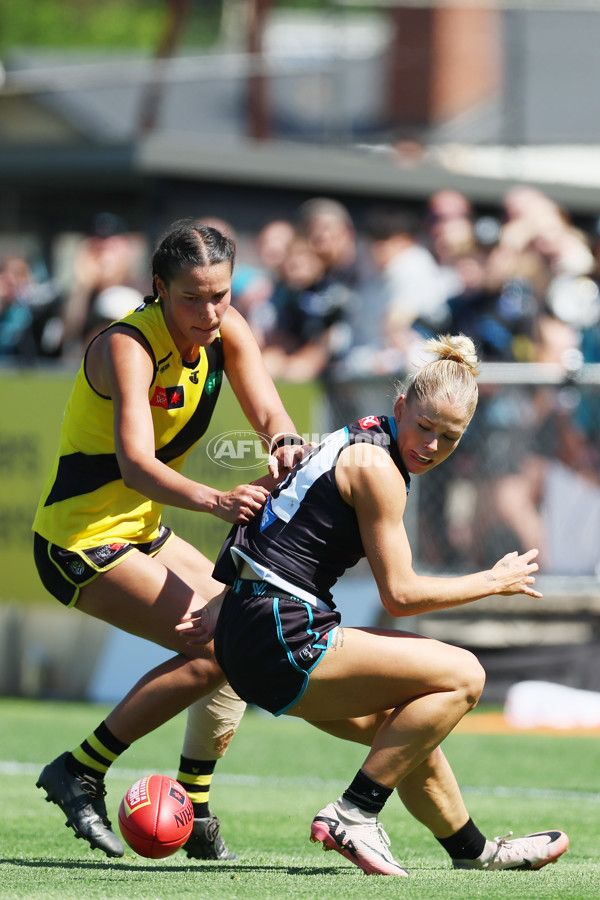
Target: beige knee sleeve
[211,724]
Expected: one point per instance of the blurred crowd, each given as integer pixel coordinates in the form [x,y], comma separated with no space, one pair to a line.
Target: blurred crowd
[333,301]
[53,316]
[323,295]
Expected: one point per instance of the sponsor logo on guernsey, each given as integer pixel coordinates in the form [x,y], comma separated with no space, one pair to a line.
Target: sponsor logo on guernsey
[168,397]
[369,422]
[194,378]
[213,381]
[268,516]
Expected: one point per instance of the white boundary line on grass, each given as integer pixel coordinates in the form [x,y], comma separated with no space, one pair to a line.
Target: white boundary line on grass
[13,767]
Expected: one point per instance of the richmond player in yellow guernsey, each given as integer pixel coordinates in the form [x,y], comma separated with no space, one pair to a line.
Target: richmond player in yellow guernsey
[142,399]
[86,474]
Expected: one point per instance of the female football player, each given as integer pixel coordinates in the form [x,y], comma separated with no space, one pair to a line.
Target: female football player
[141,401]
[282,644]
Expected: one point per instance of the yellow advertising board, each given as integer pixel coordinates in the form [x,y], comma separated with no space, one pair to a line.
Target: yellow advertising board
[33,401]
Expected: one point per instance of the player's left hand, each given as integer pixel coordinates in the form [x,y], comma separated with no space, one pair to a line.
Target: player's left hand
[513,574]
[199,625]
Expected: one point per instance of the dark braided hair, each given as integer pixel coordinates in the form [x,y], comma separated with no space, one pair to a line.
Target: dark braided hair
[188,244]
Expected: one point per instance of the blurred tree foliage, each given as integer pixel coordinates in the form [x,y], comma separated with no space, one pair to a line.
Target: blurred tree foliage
[100,24]
[115,24]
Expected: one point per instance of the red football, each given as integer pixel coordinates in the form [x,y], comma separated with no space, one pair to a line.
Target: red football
[156,816]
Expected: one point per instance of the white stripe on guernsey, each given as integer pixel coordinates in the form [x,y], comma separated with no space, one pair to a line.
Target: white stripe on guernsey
[11,767]
[288,502]
[267,574]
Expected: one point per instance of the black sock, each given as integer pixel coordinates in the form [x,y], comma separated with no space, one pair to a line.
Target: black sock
[467,843]
[195,775]
[366,793]
[96,754]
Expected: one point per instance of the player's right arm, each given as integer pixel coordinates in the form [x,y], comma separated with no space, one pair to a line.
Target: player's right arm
[120,366]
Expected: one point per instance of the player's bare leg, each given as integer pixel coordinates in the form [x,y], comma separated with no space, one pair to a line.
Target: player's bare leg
[431,794]
[145,596]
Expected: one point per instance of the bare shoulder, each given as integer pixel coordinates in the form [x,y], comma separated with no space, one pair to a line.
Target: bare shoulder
[234,327]
[366,469]
[114,350]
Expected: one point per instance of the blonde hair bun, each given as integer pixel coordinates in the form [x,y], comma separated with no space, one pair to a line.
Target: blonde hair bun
[452,375]
[456,347]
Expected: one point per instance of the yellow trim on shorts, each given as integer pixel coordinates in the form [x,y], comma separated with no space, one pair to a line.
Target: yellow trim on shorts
[112,565]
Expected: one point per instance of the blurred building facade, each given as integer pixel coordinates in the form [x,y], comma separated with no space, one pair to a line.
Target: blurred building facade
[394,103]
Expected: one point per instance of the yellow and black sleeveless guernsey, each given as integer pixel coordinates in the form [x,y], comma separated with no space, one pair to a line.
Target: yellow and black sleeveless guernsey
[85,502]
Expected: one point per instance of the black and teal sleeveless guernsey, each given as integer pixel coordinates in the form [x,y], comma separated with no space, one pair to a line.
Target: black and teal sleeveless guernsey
[308,536]
[85,503]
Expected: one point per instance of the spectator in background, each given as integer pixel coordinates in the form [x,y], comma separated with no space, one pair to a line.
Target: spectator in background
[322,280]
[309,328]
[328,227]
[553,496]
[111,304]
[109,256]
[496,306]
[411,296]
[589,303]
[330,230]
[15,316]
[449,233]
[27,306]
[273,242]
[539,233]
[272,245]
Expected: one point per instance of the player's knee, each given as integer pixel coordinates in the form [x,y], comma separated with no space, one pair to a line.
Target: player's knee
[472,678]
[206,674]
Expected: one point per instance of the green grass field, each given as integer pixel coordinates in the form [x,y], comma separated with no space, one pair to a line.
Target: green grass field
[275,777]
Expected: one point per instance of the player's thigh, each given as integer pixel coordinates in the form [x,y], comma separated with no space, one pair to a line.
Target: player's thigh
[369,671]
[144,597]
[358,730]
[191,565]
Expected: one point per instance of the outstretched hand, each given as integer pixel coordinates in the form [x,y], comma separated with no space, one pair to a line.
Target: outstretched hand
[513,574]
[199,625]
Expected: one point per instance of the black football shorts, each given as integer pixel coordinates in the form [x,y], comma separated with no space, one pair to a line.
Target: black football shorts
[64,572]
[268,642]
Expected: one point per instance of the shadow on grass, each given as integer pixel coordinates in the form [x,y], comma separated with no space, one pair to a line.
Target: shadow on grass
[180,869]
